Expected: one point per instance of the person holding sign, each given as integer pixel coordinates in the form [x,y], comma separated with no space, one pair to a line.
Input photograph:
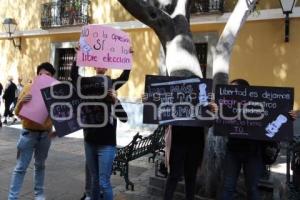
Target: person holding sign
[185,138]
[185,145]
[100,142]
[34,139]
[100,150]
[246,154]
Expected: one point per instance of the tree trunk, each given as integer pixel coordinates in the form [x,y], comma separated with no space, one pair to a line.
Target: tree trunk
[222,55]
[170,21]
[214,153]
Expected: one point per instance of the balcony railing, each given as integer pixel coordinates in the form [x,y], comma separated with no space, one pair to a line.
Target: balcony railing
[64,13]
[207,6]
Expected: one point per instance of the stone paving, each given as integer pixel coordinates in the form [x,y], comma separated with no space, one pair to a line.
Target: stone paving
[65,171]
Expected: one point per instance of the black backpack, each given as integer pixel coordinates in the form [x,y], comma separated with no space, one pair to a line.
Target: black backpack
[296,157]
[270,152]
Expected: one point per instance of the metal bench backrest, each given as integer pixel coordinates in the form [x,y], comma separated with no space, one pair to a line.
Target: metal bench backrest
[140,146]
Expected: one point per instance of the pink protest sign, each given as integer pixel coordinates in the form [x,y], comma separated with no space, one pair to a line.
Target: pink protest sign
[35,110]
[104,47]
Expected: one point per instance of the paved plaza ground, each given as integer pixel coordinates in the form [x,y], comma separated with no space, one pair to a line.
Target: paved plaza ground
[65,170]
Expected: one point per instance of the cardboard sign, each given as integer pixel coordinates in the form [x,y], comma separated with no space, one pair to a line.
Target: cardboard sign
[71,109]
[254,112]
[104,47]
[62,102]
[94,87]
[177,100]
[35,110]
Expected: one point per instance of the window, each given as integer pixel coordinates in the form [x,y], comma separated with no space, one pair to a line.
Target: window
[201,49]
[64,13]
[65,59]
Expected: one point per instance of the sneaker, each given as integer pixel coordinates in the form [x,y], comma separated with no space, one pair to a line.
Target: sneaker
[40,198]
[14,120]
[83,197]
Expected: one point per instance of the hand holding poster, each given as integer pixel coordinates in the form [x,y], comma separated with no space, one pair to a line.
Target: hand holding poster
[71,109]
[35,110]
[177,100]
[104,47]
[254,112]
[62,102]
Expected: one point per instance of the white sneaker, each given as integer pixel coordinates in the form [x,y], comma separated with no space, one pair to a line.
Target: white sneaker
[39,198]
[87,198]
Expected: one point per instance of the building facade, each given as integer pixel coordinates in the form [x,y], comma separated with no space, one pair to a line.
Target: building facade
[50,30]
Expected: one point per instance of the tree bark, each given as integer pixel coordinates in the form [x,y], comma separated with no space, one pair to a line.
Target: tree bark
[222,55]
[170,21]
[214,154]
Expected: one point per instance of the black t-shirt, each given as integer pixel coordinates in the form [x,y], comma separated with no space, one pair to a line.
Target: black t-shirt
[101,136]
[106,135]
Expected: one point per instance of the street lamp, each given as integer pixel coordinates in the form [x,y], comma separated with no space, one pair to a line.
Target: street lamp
[10,27]
[287,8]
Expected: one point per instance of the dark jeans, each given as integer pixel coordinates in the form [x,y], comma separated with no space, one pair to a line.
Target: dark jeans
[184,160]
[252,167]
[7,111]
[88,181]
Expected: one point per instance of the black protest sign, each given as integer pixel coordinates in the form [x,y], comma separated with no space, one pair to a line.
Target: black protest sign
[71,109]
[62,101]
[95,110]
[96,85]
[177,100]
[254,112]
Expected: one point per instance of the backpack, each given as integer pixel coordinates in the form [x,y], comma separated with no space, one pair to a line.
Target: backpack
[270,152]
[296,158]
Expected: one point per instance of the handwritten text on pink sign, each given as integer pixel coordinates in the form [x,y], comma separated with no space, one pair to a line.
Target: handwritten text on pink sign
[104,47]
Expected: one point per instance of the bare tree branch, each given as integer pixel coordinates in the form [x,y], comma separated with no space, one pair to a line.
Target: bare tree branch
[227,39]
[149,13]
[170,21]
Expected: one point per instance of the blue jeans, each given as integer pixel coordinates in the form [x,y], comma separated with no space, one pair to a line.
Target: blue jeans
[88,181]
[99,159]
[252,167]
[30,142]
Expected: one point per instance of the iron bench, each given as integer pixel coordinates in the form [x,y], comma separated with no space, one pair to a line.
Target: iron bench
[138,147]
